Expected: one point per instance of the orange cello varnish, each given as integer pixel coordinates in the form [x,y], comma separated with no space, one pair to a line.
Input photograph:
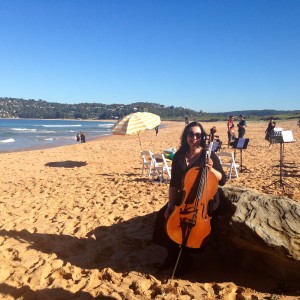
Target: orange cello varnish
[196,196]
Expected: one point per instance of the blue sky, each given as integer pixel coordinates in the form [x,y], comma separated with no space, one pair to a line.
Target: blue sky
[213,55]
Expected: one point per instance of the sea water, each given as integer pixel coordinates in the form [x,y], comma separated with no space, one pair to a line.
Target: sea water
[22,134]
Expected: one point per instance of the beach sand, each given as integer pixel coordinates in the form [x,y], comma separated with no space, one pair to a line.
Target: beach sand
[76,221]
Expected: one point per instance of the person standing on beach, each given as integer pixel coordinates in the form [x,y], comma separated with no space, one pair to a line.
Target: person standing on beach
[190,154]
[270,127]
[241,126]
[213,130]
[82,137]
[156,130]
[78,137]
[230,130]
[186,120]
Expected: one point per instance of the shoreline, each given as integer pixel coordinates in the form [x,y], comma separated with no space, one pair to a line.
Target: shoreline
[45,147]
[88,120]
[33,134]
[57,145]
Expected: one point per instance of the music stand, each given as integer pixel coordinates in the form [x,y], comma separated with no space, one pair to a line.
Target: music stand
[281,137]
[216,146]
[241,144]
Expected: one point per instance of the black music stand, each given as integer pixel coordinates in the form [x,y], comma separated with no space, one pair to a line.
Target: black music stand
[241,144]
[216,146]
[281,137]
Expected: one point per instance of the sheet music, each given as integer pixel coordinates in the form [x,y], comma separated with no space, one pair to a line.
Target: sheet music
[276,129]
[240,143]
[216,146]
[287,136]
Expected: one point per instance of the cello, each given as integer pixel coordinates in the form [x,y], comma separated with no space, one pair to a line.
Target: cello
[189,224]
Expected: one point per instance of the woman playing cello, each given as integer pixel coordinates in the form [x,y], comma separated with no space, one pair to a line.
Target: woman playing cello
[190,154]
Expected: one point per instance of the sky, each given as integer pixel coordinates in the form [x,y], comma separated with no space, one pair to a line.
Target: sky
[212,55]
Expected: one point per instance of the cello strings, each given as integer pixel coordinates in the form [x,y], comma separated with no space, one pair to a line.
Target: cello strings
[203,185]
[199,192]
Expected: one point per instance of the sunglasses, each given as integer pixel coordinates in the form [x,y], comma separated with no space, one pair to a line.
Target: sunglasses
[192,134]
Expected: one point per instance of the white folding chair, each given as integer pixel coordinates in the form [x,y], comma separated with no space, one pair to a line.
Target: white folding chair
[161,167]
[227,160]
[147,161]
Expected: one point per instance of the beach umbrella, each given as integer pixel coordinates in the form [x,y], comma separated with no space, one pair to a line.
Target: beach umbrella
[135,123]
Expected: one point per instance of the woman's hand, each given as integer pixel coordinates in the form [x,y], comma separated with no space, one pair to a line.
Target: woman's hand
[209,164]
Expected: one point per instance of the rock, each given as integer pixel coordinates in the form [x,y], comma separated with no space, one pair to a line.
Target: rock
[260,231]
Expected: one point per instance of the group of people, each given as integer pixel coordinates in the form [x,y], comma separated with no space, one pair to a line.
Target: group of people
[191,157]
[230,129]
[241,128]
[80,137]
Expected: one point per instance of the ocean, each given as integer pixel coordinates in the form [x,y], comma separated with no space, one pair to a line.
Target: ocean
[24,134]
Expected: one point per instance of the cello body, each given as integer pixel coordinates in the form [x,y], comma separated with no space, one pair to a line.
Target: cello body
[189,223]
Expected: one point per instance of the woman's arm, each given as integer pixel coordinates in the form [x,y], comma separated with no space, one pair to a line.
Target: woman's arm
[173,197]
[175,183]
[213,170]
[217,169]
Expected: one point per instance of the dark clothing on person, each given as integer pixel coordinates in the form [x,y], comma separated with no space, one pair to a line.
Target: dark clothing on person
[82,137]
[213,130]
[242,130]
[230,130]
[270,127]
[179,169]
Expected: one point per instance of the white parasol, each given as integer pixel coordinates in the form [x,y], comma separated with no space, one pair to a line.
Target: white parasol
[135,123]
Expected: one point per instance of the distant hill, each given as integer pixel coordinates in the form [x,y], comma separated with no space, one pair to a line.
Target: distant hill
[41,109]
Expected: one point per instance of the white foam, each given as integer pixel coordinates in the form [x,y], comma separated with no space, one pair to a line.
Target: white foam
[23,129]
[46,131]
[78,125]
[8,141]
[106,125]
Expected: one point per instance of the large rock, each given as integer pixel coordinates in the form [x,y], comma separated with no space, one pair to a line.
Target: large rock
[260,231]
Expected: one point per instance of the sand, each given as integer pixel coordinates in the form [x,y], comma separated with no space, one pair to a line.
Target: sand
[76,221]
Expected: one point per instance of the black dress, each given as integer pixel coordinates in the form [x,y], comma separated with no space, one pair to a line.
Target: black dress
[271,126]
[241,129]
[179,169]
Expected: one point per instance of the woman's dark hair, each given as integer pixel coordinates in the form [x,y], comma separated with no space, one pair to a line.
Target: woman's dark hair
[184,147]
